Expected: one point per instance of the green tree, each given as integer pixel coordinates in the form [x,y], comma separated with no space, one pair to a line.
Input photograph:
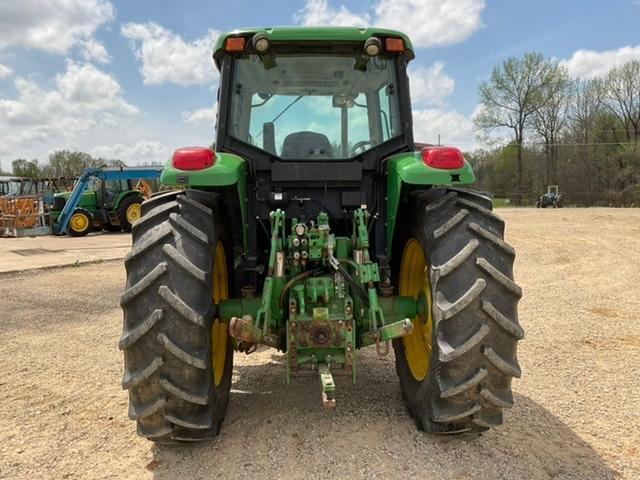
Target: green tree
[551,115]
[26,168]
[512,95]
[63,163]
[622,89]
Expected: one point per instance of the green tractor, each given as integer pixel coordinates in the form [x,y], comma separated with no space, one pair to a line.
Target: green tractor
[318,227]
[112,205]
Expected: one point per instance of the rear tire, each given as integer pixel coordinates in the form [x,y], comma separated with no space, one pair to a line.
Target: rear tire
[124,212]
[169,320]
[474,324]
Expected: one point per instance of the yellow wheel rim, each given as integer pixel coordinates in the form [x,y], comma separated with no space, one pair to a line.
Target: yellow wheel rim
[414,280]
[134,212]
[219,330]
[79,222]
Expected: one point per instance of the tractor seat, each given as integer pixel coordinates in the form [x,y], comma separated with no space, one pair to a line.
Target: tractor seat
[307,146]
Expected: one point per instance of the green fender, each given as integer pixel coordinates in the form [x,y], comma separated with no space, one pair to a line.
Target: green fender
[227,170]
[122,195]
[409,168]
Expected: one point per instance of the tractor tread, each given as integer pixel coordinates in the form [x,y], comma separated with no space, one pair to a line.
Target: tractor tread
[499,277]
[448,353]
[168,313]
[501,364]
[156,213]
[458,259]
[437,204]
[186,200]
[481,210]
[179,223]
[175,350]
[144,411]
[172,388]
[449,309]
[468,384]
[161,432]
[184,263]
[449,224]
[509,326]
[490,397]
[148,241]
[147,281]
[132,336]
[451,415]
[475,319]
[496,240]
[159,199]
[187,424]
[181,307]
[133,379]
[484,420]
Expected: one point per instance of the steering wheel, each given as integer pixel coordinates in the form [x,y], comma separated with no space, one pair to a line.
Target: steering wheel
[360,145]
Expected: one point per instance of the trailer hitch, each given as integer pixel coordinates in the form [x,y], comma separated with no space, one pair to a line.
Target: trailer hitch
[328,386]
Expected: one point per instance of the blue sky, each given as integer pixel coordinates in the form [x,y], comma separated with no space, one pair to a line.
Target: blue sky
[134,79]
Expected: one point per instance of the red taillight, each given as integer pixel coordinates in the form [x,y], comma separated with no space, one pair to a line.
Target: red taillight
[448,158]
[193,158]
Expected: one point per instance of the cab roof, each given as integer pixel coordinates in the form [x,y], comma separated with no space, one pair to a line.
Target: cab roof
[326,34]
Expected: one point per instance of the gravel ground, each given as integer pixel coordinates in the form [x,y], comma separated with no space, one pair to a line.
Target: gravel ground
[48,251]
[576,413]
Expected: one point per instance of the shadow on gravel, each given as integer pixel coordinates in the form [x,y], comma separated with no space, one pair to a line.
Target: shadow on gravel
[281,431]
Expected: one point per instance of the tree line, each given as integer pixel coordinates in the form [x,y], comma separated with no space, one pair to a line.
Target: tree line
[64,164]
[61,163]
[580,134]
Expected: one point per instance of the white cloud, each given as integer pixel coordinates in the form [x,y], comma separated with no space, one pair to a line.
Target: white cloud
[92,89]
[589,63]
[202,117]
[94,50]
[430,86]
[84,98]
[140,152]
[431,23]
[454,129]
[320,13]
[167,58]
[51,25]
[5,71]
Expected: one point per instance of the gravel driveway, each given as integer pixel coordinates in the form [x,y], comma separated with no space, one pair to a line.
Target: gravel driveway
[576,412]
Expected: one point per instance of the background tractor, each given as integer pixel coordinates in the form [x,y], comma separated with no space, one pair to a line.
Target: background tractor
[550,199]
[108,198]
[318,229]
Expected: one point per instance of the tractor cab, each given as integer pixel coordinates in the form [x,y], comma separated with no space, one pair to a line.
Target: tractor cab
[9,186]
[319,107]
[296,106]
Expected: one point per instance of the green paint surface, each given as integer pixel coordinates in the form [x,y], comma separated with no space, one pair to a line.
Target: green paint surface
[227,170]
[409,168]
[326,34]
